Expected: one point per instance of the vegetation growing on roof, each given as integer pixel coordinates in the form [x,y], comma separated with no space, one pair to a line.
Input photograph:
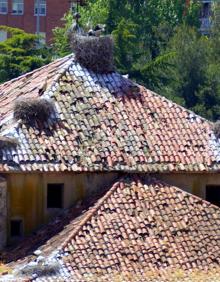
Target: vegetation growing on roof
[33,110]
[8,143]
[94,53]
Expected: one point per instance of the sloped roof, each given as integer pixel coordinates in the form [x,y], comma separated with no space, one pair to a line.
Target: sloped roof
[141,226]
[102,123]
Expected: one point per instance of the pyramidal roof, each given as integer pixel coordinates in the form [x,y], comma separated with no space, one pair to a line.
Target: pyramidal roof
[102,122]
[141,229]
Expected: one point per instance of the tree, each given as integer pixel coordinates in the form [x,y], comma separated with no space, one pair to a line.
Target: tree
[158,44]
[20,54]
[195,72]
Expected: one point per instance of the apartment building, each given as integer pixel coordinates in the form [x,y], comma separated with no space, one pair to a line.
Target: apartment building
[24,14]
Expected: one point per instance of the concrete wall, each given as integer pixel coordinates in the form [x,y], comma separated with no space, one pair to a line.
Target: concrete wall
[192,183]
[27,194]
[3,212]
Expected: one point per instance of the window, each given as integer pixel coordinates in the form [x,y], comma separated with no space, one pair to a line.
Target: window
[42,7]
[42,40]
[213,194]
[3,35]
[17,7]
[3,6]
[16,228]
[55,196]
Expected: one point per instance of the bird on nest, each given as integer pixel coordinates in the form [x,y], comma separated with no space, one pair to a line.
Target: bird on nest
[97,30]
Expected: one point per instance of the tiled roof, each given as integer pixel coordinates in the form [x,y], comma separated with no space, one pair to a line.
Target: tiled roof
[103,123]
[139,226]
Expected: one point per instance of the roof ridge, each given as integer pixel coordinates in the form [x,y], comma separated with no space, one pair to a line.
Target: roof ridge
[92,211]
[121,183]
[35,70]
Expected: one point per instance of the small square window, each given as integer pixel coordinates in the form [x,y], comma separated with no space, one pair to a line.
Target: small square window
[42,7]
[55,196]
[16,228]
[213,194]
[17,7]
[3,6]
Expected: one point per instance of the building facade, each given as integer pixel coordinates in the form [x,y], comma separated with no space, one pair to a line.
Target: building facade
[23,14]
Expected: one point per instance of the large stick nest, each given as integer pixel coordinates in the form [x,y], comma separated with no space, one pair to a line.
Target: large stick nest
[94,53]
[8,143]
[33,110]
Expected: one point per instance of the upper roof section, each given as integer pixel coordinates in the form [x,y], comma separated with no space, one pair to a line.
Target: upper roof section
[103,122]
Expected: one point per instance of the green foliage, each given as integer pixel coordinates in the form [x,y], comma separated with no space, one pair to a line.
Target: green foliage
[158,44]
[61,45]
[195,71]
[18,54]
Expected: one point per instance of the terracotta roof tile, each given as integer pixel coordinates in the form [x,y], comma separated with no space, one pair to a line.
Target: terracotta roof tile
[102,125]
[140,225]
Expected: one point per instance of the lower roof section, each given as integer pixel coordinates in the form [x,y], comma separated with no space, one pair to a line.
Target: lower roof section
[140,226]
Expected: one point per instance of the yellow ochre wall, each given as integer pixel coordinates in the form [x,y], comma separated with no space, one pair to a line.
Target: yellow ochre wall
[27,194]
[194,183]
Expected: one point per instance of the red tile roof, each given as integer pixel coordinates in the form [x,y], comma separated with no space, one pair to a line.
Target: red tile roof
[103,123]
[139,226]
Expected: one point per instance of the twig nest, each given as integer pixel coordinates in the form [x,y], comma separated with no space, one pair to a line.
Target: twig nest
[217,129]
[8,143]
[33,110]
[94,53]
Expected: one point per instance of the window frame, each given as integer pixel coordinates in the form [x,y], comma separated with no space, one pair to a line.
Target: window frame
[18,3]
[2,2]
[41,5]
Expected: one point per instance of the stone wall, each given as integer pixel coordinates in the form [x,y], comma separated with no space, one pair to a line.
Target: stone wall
[3,212]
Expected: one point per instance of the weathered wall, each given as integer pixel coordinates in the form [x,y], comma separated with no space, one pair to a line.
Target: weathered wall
[27,194]
[3,212]
[192,183]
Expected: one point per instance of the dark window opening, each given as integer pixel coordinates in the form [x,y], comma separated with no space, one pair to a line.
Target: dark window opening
[213,194]
[16,228]
[55,196]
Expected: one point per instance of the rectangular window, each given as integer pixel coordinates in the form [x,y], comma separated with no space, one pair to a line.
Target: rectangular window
[42,36]
[16,228]
[3,35]
[3,6]
[17,7]
[42,7]
[55,196]
[213,194]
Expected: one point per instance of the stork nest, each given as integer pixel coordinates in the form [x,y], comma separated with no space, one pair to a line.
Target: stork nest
[217,129]
[94,53]
[33,110]
[8,143]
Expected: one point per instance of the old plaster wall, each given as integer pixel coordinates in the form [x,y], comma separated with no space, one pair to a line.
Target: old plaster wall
[3,212]
[192,183]
[27,194]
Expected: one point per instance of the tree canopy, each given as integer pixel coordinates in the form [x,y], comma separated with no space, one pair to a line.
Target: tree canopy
[19,53]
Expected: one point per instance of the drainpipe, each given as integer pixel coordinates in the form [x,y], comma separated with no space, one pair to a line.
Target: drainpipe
[38,20]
